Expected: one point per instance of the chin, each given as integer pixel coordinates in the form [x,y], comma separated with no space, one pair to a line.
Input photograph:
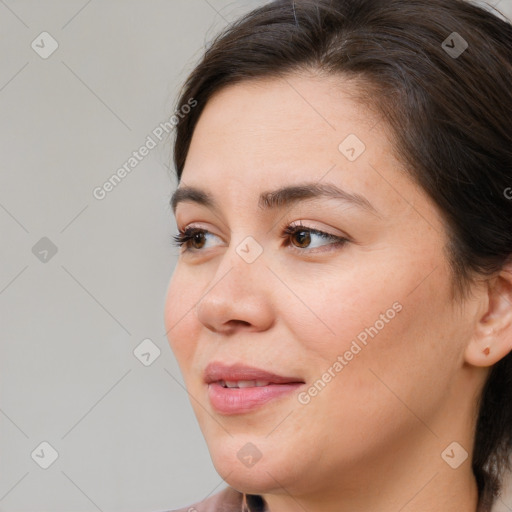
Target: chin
[253,481]
[244,467]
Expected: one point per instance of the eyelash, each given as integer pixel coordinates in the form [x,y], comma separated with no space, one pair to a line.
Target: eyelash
[185,236]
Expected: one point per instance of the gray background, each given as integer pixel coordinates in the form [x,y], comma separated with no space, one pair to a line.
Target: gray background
[125,433]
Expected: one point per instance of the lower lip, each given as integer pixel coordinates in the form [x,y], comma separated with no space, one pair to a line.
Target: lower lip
[240,400]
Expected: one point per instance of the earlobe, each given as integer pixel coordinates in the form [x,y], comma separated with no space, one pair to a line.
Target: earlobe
[492,337]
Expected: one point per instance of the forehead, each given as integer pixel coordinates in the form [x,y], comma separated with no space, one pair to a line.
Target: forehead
[263,135]
[291,106]
[274,125]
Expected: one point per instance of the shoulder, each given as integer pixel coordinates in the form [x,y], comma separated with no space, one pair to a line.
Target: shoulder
[227,500]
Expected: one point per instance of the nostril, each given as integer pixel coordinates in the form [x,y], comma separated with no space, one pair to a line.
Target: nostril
[239,322]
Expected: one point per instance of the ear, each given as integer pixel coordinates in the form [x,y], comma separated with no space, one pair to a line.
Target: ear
[492,337]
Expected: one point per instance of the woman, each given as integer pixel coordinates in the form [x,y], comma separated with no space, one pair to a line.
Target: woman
[341,309]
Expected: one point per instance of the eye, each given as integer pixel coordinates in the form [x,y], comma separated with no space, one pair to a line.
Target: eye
[193,239]
[303,235]
[189,237]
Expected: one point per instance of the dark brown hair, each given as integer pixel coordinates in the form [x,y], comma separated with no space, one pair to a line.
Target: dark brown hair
[450,114]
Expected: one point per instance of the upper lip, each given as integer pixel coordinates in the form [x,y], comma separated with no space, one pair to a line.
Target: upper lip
[216,371]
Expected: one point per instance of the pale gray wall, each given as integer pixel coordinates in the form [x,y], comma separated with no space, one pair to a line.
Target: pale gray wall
[125,433]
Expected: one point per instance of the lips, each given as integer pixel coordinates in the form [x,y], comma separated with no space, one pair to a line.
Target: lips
[240,389]
[233,375]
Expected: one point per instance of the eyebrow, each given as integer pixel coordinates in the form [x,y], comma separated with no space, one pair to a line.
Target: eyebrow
[278,198]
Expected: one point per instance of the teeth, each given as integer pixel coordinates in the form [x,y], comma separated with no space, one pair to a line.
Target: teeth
[243,383]
[246,383]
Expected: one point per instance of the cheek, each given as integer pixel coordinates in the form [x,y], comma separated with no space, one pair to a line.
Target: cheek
[394,337]
[180,317]
[332,306]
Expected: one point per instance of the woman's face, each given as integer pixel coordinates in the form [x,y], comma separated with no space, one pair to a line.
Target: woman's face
[368,325]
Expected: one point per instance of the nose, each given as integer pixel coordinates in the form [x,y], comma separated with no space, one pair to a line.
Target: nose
[238,296]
